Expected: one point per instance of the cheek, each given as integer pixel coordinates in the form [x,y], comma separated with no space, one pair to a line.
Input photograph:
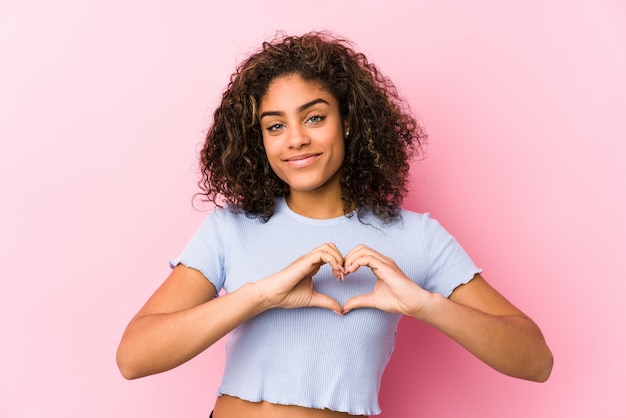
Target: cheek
[271,156]
[267,147]
[341,150]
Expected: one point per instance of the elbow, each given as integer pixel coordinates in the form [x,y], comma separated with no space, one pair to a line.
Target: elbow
[534,367]
[125,366]
[128,373]
[539,360]
[540,368]
[133,365]
[545,369]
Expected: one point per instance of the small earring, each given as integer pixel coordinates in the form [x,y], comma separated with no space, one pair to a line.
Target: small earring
[348,133]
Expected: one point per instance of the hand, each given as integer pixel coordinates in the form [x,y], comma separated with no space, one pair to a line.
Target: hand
[292,287]
[393,291]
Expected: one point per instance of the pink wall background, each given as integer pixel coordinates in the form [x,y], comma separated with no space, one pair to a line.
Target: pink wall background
[103,105]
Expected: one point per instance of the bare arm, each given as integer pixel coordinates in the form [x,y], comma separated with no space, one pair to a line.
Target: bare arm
[476,316]
[183,317]
[179,321]
[490,327]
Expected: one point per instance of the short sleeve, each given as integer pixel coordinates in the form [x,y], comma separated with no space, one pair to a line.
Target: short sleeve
[448,265]
[205,250]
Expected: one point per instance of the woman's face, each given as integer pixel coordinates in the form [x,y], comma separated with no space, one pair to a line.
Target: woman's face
[303,134]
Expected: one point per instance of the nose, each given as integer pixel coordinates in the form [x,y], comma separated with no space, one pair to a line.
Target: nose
[298,137]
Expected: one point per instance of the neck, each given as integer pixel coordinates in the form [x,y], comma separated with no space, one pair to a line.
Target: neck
[316,204]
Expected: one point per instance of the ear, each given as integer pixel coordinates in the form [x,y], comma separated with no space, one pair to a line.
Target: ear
[346,128]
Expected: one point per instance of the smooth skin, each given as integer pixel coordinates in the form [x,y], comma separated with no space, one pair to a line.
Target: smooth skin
[303,138]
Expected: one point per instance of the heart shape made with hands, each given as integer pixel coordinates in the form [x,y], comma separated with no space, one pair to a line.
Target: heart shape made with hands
[393,291]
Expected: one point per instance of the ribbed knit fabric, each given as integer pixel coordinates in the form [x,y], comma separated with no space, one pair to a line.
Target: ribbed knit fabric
[311,356]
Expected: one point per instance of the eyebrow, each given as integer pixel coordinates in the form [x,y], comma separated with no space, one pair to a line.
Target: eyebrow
[299,110]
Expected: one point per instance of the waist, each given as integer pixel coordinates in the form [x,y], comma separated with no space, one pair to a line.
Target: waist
[232,407]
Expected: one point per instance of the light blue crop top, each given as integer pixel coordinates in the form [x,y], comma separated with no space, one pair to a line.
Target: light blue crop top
[311,356]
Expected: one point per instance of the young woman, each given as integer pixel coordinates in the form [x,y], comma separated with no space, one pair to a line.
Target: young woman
[307,162]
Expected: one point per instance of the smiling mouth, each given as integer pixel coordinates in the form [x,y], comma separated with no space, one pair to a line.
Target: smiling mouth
[302,160]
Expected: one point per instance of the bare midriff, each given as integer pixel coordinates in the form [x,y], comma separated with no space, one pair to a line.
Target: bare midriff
[233,407]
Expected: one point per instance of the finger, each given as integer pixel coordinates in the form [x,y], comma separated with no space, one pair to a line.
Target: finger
[359,301]
[349,259]
[370,260]
[323,301]
[338,270]
[329,253]
[356,250]
[320,256]
[328,247]
[362,251]
[333,247]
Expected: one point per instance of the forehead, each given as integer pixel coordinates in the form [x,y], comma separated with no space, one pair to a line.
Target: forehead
[291,90]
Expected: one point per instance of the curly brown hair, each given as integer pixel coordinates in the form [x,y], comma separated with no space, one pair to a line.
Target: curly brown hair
[384,134]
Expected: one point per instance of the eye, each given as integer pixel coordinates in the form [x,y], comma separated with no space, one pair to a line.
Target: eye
[275,127]
[315,119]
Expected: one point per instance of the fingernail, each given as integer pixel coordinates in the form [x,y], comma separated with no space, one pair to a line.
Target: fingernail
[338,313]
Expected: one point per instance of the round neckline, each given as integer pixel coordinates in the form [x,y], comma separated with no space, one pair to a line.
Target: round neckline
[283,207]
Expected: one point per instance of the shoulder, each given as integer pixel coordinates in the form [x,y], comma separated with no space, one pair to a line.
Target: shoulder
[422,219]
[416,225]
[222,221]
[406,219]
[230,222]
[412,216]
[231,215]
